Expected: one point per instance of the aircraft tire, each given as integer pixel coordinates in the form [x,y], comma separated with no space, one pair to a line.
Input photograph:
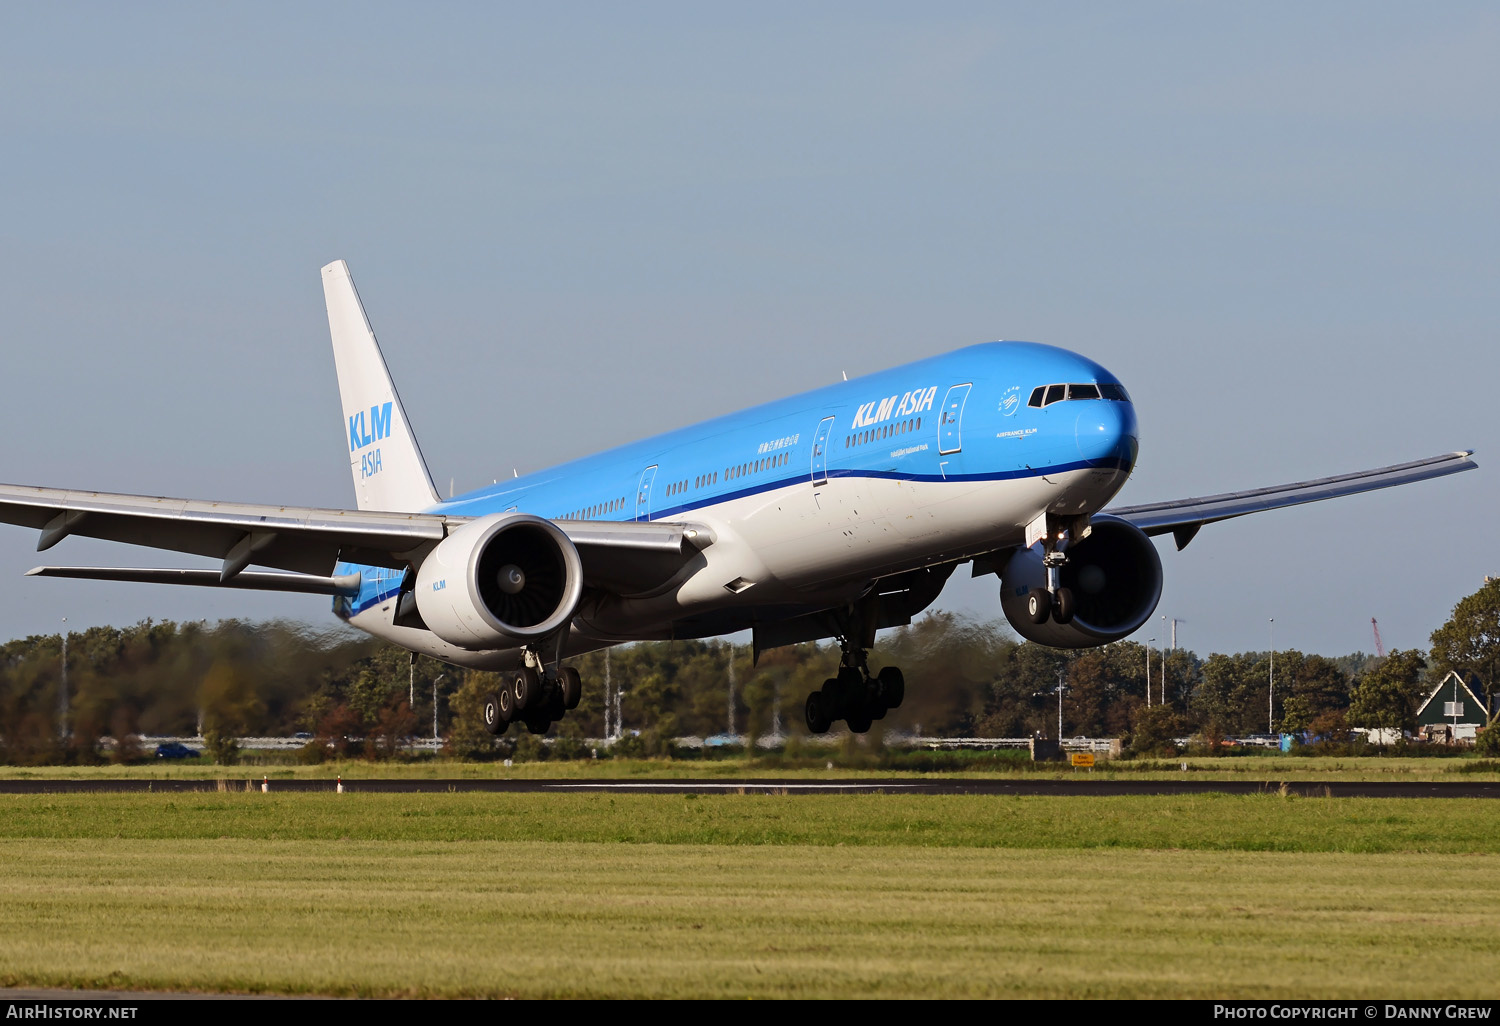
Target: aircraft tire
[495,721]
[507,702]
[525,687]
[816,711]
[878,708]
[833,701]
[572,687]
[537,724]
[860,722]
[892,686]
[1038,605]
[1062,610]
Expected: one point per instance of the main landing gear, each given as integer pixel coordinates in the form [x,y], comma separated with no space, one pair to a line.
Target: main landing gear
[534,698]
[854,696]
[1056,601]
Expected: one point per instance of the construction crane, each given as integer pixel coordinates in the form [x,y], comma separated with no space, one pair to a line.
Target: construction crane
[1379,645]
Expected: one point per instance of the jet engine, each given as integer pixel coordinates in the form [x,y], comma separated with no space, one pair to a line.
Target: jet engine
[1115,577]
[500,581]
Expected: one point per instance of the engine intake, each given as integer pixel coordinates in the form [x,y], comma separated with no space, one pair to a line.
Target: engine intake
[1114,574]
[499,580]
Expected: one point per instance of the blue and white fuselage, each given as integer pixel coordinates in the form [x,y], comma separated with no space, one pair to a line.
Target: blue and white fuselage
[814,498]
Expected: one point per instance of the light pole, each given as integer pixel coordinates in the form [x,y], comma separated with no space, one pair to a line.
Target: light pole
[434,711]
[62,697]
[731,691]
[1059,703]
[609,690]
[1163,659]
[1271,685]
[1148,671]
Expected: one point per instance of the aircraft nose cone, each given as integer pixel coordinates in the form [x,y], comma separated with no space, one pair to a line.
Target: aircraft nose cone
[1107,434]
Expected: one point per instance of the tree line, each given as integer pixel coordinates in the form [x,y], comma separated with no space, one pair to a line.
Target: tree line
[965,678]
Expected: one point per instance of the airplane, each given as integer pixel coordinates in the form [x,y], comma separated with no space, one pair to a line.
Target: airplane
[831,514]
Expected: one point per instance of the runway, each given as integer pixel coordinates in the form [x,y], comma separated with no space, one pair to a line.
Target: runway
[788,787]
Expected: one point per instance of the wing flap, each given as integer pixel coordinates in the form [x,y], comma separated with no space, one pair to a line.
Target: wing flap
[255,580]
[1183,517]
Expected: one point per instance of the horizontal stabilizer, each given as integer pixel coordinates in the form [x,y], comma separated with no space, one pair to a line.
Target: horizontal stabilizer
[256,580]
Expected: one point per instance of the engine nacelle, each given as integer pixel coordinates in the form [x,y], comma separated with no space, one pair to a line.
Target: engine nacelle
[1115,577]
[499,580]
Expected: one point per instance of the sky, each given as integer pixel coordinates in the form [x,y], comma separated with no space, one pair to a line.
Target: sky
[577,224]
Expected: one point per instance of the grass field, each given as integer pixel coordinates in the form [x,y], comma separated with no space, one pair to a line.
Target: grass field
[1207,896]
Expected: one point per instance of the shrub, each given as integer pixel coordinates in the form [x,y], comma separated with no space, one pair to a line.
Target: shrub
[1154,731]
[224,747]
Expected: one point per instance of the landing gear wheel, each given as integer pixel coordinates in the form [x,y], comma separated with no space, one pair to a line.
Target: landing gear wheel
[507,702]
[878,708]
[834,698]
[572,687]
[1038,605]
[537,724]
[818,720]
[495,720]
[1063,606]
[860,722]
[892,686]
[525,687]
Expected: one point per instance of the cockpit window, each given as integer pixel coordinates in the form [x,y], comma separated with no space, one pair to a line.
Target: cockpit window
[1046,395]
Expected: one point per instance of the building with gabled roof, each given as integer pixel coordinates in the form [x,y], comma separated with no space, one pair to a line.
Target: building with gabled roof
[1452,711]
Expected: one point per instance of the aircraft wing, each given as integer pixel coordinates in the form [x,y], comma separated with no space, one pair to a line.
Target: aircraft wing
[309,541]
[1183,517]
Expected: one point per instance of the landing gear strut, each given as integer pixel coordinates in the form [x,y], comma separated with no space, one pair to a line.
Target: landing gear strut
[854,696]
[1056,600]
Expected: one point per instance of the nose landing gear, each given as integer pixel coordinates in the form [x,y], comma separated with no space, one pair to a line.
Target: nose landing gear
[1056,601]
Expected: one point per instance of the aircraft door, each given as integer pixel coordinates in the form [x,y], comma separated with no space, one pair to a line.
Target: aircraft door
[950,437]
[643,493]
[820,451]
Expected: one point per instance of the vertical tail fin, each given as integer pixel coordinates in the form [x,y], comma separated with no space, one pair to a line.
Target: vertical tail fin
[389,472]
